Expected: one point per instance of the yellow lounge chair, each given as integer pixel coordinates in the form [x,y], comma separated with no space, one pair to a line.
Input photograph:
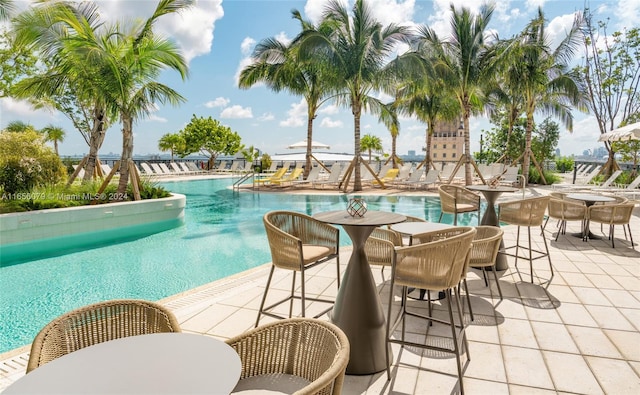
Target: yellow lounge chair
[294,175]
[390,175]
[275,177]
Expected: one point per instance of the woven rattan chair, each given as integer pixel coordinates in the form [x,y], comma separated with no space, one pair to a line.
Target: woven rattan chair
[437,266]
[484,251]
[298,242]
[612,215]
[98,323]
[296,355]
[566,210]
[380,246]
[456,200]
[526,212]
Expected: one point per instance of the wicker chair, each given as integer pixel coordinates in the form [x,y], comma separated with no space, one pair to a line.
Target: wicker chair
[484,251]
[380,245]
[98,323]
[612,215]
[526,212]
[307,356]
[437,266]
[457,200]
[298,242]
[566,210]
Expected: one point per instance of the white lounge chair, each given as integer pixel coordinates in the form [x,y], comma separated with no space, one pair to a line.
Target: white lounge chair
[313,176]
[334,176]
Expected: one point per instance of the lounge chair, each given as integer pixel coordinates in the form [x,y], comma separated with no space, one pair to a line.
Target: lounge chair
[387,178]
[510,176]
[158,170]
[166,170]
[413,178]
[176,169]
[268,180]
[222,167]
[446,175]
[289,178]
[432,177]
[582,182]
[334,176]
[606,185]
[146,169]
[314,174]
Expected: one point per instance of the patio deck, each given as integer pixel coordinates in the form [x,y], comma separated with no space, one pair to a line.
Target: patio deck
[578,334]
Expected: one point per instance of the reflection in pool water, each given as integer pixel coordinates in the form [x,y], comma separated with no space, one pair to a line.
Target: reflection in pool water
[223,235]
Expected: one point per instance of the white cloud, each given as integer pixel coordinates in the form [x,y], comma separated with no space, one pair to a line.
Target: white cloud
[12,110]
[329,123]
[440,19]
[247,45]
[330,109]
[217,102]
[558,28]
[534,4]
[297,115]
[392,11]
[282,37]
[192,29]
[629,13]
[267,116]
[155,118]
[236,112]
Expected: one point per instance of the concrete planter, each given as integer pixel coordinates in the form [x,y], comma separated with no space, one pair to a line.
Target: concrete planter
[28,235]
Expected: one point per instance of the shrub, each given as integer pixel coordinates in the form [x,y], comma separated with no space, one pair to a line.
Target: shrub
[564,164]
[549,176]
[26,162]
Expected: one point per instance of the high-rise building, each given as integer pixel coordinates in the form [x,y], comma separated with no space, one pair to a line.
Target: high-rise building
[447,142]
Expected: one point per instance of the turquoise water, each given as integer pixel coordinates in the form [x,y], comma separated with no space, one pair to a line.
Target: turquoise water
[223,234]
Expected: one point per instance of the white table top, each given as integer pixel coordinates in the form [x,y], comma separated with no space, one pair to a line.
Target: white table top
[590,197]
[416,228]
[371,218]
[487,188]
[162,363]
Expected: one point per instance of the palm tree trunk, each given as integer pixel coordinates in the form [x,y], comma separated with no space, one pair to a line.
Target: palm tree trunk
[95,142]
[307,162]
[427,152]
[526,160]
[127,152]
[357,183]
[468,179]
[393,151]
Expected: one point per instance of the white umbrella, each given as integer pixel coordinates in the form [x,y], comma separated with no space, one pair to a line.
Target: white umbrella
[625,133]
[303,144]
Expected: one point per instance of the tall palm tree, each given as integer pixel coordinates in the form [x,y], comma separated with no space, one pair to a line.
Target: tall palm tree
[355,48]
[463,62]
[67,35]
[278,65]
[137,57]
[371,143]
[55,134]
[172,142]
[7,7]
[546,82]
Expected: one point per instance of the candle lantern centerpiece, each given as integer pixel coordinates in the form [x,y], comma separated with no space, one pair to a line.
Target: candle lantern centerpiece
[357,207]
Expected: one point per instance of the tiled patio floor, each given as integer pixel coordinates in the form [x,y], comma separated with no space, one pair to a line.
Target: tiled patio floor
[580,334]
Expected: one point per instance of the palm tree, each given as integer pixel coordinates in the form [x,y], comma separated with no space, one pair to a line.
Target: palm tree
[370,143]
[66,35]
[355,49]
[546,83]
[18,127]
[7,8]
[137,57]
[278,65]
[55,134]
[172,142]
[463,62]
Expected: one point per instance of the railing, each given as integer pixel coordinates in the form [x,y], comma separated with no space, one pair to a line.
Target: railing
[245,177]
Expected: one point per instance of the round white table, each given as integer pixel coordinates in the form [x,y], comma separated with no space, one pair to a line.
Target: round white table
[161,363]
[357,310]
[589,200]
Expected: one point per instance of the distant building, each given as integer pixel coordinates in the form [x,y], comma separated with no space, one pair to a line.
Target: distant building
[447,142]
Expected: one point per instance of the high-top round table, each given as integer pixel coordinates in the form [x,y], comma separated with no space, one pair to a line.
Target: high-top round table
[490,217]
[357,310]
[589,200]
[161,363]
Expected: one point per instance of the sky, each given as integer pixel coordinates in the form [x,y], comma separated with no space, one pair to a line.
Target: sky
[217,38]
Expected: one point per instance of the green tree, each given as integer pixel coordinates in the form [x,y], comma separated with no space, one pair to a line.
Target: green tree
[138,56]
[15,63]
[172,142]
[19,127]
[370,143]
[7,7]
[611,72]
[278,65]
[629,150]
[545,140]
[250,154]
[463,62]
[208,136]
[55,134]
[547,84]
[355,48]
[72,43]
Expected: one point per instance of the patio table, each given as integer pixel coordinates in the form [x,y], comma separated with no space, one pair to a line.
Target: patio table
[490,217]
[589,200]
[160,363]
[357,310]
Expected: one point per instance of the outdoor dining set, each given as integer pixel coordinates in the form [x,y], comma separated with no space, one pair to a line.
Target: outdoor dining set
[138,346]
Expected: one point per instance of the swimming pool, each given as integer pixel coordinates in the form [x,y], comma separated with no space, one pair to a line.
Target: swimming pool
[223,234]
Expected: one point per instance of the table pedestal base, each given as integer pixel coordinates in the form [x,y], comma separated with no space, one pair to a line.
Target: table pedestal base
[358,311]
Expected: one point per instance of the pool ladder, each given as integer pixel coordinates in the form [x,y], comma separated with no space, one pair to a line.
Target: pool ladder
[245,177]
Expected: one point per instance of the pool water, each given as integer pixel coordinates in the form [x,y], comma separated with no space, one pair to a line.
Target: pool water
[222,235]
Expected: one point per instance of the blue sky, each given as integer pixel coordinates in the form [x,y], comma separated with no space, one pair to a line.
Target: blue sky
[217,38]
